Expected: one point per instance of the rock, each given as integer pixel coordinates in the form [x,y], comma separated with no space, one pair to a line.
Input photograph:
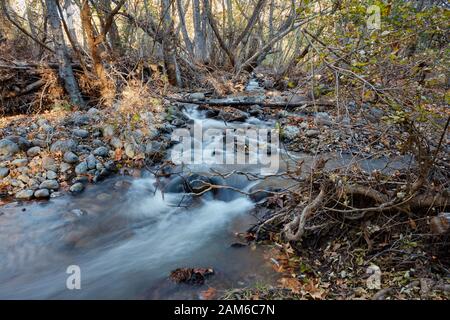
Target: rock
[116,143]
[196,183]
[81,119]
[91,161]
[41,193]
[25,194]
[49,164]
[130,150]
[104,197]
[8,148]
[93,111]
[22,143]
[268,84]
[33,184]
[24,178]
[49,184]
[34,151]
[312,133]
[108,131]
[70,157]
[255,110]
[374,279]
[77,187]
[4,172]
[78,212]
[51,175]
[20,162]
[233,115]
[303,125]
[42,121]
[178,122]
[101,152]
[63,146]
[197,96]
[80,133]
[64,167]
[290,132]
[110,166]
[81,168]
[47,128]
[323,119]
[39,143]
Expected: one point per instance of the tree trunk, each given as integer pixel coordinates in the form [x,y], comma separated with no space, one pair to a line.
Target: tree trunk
[65,68]
[69,9]
[182,17]
[199,38]
[107,88]
[168,45]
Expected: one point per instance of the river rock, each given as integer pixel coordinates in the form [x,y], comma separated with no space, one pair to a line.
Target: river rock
[312,133]
[101,152]
[47,128]
[41,193]
[24,178]
[116,143]
[81,168]
[108,131]
[255,110]
[8,148]
[34,151]
[49,184]
[233,115]
[323,119]
[63,146]
[197,96]
[21,142]
[4,172]
[130,150]
[80,133]
[39,143]
[64,167]
[70,157]
[49,164]
[25,194]
[91,161]
[77,187]
[20,162]
[290,132]
[81,119]
[42,121]
[51,175]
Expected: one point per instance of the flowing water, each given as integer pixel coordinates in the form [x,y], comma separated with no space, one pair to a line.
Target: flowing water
[126,235]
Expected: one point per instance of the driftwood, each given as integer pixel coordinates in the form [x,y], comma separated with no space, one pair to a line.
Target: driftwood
[243,103]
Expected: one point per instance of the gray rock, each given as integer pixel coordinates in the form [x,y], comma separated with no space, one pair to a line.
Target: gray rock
[24,178]
[154,147]
[81,133]
[8,148]
[197,96]
[47,128]
[177,122]
[116,143]
[77,187]
[49,184]
[63,146]
[49,164]
[290,132]
[51,175]
[17,183]
[312,133]
[39,143]
[23,143]
[42,122]
[64,167]
[33,184]
[130,150]
[108,131]
[101,152]
[235,115]
[99,166]
[93,111]
[25,194]
[20,162]
[70,157]
[41,193]
[323,119]
[34,151]
[255,110]
[91,161]
[268,84]
[81,119]
[4,172]
[81,168]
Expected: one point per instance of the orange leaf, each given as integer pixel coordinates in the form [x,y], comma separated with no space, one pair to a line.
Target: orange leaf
[208,294]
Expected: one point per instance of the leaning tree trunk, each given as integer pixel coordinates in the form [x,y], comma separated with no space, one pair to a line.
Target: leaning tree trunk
[65,68]
[168,45]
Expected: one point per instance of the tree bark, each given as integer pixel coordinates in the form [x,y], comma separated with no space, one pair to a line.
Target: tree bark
[168,45]
[65,68]
[182,17]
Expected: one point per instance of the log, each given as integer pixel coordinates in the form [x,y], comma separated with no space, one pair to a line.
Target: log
[227,103]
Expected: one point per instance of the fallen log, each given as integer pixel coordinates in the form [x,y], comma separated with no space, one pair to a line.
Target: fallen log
[29,88]
[243,103]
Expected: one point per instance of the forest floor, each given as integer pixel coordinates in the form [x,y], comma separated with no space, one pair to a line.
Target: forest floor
[385,257]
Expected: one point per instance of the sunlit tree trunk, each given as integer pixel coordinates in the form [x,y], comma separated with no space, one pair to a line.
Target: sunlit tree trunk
[65,68]
[168,45]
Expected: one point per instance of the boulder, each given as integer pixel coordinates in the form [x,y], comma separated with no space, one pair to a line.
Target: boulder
[8,148]
[63,146]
